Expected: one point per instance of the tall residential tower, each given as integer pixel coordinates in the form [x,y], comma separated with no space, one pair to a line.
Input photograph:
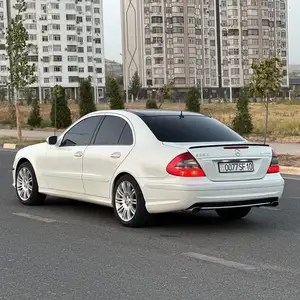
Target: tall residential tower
[67,39]
[208,42]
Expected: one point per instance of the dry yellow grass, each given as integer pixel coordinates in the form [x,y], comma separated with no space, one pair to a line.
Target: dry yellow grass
[284,119]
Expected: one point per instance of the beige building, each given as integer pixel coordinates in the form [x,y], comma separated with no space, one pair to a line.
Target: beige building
[212,42]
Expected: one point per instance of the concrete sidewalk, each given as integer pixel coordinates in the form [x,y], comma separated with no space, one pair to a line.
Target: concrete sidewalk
[292,149]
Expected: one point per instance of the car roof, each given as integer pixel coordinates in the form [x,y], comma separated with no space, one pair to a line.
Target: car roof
[160,112]
[147,112]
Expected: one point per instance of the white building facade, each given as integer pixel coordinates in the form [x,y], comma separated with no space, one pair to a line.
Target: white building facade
[68,43]
[205,42]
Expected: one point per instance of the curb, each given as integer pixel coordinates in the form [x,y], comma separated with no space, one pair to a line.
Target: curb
[8,146]
[289,170]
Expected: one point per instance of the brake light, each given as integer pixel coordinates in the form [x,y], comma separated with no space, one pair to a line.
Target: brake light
[274,166]
[185,165]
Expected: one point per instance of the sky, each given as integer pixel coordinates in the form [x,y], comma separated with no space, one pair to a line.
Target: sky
[112,30]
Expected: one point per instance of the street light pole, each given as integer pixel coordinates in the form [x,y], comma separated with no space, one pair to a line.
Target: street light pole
[201,83]
[201,88]
[230,85]
[125,78]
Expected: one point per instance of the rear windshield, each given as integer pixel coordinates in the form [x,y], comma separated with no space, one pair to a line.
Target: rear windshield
[190,129]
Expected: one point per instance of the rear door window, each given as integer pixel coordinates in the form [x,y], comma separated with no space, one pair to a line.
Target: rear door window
[110,131]
[190,129]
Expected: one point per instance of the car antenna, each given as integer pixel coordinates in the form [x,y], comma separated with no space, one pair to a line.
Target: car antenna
[181,115]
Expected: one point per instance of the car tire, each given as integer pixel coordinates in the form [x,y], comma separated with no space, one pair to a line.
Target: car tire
[27,187]
[233,213]
[129,203]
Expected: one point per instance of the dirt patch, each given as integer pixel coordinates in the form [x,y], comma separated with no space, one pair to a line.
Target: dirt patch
[289,160]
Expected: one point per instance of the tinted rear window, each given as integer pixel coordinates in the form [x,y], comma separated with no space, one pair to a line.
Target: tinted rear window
[190,129]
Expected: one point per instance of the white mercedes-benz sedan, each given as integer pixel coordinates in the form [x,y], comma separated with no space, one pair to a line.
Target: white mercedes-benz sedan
[143,162]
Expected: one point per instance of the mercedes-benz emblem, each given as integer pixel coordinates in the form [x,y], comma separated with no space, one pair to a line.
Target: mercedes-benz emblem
[237,152]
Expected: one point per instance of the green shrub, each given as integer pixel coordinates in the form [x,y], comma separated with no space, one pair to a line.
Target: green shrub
[151,104]
[86,104]
[35,119]
[192,100]
[242,123]
[60,112]
[114,93]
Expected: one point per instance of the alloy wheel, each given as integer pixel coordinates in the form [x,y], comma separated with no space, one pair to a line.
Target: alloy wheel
[126,201]
[24,184]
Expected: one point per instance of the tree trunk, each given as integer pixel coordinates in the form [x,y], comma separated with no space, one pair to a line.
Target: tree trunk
[19,129]
[266,121]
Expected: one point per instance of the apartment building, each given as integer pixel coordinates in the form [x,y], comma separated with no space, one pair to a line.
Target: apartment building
[3,25]
[67,39]
[205,42]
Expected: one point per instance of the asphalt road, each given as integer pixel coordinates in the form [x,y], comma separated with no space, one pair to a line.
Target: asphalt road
[69,250]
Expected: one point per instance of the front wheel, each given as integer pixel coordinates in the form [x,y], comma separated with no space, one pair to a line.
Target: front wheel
[27,186]
[233,213]
[128,202]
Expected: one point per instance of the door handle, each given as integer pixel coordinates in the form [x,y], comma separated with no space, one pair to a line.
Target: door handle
[78,154]
[115,155]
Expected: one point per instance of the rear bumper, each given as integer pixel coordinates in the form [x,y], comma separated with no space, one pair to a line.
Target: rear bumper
[163,197]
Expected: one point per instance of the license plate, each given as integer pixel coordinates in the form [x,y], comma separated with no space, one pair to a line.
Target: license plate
[236,167]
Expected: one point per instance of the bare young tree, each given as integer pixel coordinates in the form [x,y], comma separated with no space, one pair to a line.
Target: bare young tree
[21,73]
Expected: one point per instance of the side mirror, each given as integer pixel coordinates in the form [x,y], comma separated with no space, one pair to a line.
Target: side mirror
[52,140]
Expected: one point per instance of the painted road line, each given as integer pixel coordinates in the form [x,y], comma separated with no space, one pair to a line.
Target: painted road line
[269,208]
[37,218]
[220,261]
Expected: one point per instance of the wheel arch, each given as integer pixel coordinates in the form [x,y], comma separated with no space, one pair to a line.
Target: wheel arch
[21,161]
[117,177]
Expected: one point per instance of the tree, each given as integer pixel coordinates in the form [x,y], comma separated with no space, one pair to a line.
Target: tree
[28,96]
[107,84]
[135,85]
[35,118]
[242,123]
[12,114]
[21,74]
[266,81]
[86,104]
[2,94]
[192,100]
[114,93]
[47,96]
[120,80]
[60,112]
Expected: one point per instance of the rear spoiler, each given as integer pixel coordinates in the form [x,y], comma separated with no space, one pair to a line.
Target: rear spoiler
[229,145]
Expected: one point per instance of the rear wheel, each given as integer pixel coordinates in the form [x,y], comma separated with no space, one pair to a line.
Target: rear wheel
[27,187]
[128,202]
[233,213]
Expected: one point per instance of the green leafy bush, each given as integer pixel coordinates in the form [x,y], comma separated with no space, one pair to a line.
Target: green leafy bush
[242,123]
[151,104]
[60,112]
[35,118]
[192,100]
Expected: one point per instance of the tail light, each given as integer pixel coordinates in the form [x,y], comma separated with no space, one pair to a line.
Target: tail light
[274,166]
[185,165]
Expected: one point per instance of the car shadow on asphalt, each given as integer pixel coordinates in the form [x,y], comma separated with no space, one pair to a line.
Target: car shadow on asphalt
[171,221]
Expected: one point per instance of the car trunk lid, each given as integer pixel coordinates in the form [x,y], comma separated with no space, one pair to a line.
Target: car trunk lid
[230,161]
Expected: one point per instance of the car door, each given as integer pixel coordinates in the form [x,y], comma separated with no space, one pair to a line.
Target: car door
[112,143]
[63,170]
